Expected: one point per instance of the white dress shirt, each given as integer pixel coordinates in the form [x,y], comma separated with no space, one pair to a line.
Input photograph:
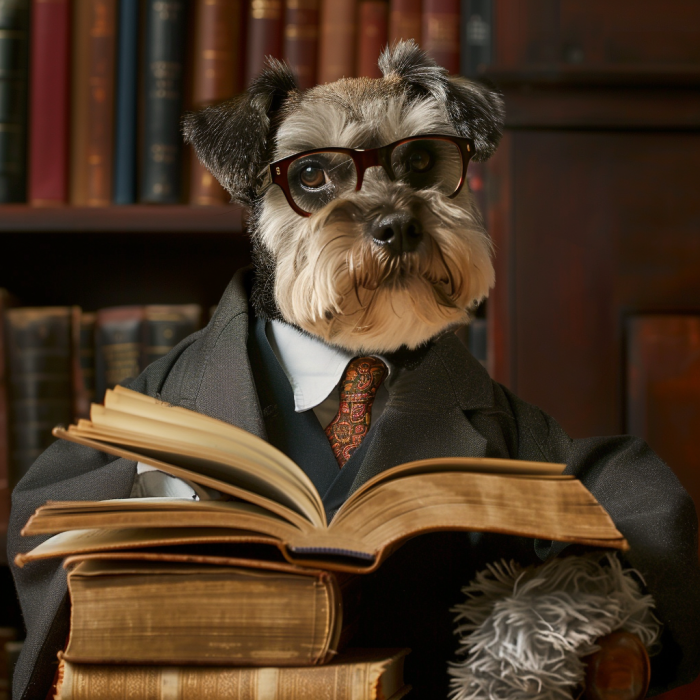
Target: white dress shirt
[314,370]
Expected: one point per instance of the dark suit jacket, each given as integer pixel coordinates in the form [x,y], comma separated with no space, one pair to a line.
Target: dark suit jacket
[446,405]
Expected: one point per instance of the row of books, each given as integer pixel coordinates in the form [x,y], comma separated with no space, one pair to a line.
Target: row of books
[54,361]
[92,91]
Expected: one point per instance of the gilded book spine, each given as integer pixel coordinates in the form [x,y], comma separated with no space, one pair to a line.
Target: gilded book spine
[264,35]
[162,101]
[93,103]
[217,77]
[337,681]
[301,40]
[441,32]
[336,51]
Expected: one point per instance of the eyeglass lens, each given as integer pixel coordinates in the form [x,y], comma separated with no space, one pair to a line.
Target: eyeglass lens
[318,178]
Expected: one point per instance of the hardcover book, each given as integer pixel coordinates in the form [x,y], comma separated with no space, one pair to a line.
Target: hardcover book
[14,30]
[217,77]
[39,354]
[49,84]
[301,40]
[336,49]
[265,32]
[441,32]
[361,675]
[283,615]
[92,137]
[163,90]
[274,502]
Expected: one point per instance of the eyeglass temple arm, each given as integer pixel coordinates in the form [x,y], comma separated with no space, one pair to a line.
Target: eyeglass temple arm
[265,180]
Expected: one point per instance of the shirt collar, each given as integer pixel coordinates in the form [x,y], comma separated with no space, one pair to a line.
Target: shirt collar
[313,367]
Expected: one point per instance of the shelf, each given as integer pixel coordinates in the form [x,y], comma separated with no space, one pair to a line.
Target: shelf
[140,218]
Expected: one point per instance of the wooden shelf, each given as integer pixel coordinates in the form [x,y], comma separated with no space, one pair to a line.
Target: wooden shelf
[140,218]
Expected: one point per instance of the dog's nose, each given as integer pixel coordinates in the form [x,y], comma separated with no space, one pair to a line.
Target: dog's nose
[400,231]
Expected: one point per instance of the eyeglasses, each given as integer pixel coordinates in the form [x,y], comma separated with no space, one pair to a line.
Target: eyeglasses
[312,179]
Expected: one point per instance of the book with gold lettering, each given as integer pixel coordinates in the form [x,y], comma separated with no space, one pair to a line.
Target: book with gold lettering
[267,498]
[358,675]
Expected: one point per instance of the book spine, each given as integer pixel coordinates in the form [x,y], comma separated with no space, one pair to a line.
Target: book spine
[216,74]
[265,30]
[93,103]
[477,36]
[358,681]
[49,83]
[117,346]
[164,327]
[14,30]
[405,20]
[440,32]
[163,88]
[125,103]
[372,32]
[39,360]
[83,362]
[301,40]
[336,51]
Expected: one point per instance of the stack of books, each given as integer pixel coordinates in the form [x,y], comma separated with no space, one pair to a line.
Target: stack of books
[192,626]
[152,610]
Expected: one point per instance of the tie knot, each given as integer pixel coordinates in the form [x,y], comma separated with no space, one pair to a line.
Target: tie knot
[363,376]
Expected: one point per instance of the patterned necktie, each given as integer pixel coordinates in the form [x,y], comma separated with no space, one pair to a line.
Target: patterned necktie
[363,376]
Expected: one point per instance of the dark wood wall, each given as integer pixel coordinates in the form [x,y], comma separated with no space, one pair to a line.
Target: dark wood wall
[594,207]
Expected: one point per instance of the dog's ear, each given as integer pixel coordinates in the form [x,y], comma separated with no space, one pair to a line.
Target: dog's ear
[235,139]
[475,110]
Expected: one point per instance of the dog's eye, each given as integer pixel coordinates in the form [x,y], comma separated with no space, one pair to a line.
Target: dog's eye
[312,177]
[420,161]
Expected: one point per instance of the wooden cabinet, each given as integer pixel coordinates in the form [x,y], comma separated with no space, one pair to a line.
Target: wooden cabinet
[595,213]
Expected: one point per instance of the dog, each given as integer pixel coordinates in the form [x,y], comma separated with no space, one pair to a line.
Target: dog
[365,236]
[371,268]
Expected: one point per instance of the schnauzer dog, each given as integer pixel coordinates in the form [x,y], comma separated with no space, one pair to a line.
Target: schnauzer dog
[366,236]
[364,231]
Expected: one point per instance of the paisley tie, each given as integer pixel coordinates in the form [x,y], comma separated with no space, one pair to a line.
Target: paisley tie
[363,376]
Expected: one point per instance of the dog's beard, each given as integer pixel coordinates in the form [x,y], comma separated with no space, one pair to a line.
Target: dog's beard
[334,281]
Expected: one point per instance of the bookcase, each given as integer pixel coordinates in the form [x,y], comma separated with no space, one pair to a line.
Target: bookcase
[593,209]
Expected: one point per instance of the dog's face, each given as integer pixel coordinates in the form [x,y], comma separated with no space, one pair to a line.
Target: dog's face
[392,264]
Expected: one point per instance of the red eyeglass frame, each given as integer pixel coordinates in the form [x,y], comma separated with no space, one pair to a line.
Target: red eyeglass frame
[276,172]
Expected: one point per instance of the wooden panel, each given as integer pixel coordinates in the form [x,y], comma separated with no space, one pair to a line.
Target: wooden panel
[598,33]
[663,390]
[601,224]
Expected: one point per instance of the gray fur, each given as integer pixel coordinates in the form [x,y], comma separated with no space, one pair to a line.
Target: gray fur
[525,631]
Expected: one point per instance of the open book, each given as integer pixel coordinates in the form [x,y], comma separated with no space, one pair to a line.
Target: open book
[267,498]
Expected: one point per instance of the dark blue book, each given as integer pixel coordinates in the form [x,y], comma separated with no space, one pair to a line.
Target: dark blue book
[163,86]
[124,184]
[477,36]
[14,77]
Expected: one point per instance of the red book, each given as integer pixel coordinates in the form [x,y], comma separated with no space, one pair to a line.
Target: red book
[265,25]
[301,40]
[405,19]
[216,77]
[49,86]
[372,33]
[441,32]
[336,51]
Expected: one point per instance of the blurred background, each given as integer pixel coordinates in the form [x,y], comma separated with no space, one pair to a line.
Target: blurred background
[116,243]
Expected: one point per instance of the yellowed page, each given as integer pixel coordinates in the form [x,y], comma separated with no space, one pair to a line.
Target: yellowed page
[84,541]
[245,443]
[236,459]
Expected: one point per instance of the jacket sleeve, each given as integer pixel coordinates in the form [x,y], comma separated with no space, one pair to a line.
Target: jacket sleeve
[654,513]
